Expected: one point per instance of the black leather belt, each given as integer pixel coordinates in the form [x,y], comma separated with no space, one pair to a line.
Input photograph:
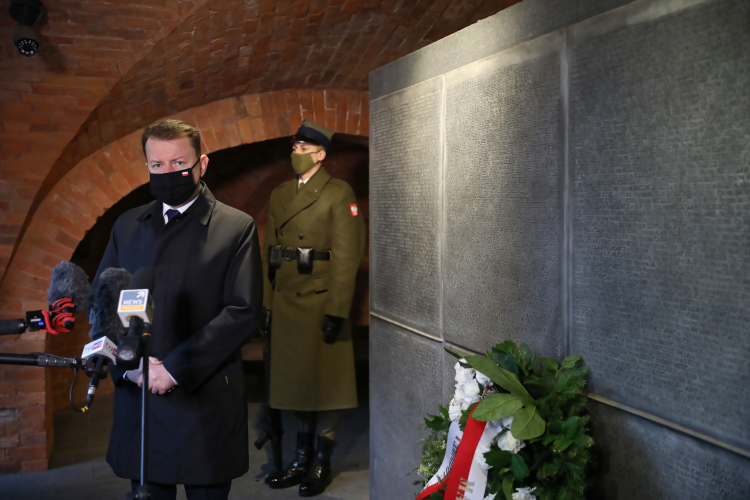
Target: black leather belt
[290,254]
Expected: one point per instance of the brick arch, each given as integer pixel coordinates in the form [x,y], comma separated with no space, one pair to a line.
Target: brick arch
[95,184]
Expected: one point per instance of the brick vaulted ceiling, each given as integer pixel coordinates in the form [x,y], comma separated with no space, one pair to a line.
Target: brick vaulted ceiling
[108,68]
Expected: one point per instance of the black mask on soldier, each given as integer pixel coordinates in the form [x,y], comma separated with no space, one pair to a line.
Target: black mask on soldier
[173,188]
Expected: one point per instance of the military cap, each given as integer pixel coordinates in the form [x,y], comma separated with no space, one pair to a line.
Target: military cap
[313,133]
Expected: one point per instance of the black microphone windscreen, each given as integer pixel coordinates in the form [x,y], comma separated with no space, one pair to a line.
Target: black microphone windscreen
[68,281]
[103,314]
[143,279]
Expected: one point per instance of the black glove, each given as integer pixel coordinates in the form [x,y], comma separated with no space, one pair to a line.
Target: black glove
[331,327]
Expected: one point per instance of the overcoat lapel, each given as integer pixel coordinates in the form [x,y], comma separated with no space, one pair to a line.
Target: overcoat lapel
[308,195]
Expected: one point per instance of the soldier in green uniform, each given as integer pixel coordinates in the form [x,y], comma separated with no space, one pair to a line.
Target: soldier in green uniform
[315,240]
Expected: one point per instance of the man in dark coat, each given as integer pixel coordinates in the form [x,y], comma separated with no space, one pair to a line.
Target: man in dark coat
[207,302]
[312,358]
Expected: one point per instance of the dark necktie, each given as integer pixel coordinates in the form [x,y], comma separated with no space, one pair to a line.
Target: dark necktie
[171,213]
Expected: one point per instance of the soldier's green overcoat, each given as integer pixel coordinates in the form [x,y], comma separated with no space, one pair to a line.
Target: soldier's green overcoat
[306,373]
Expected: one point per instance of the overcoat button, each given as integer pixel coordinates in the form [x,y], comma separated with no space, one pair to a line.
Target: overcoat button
[282,233]
[298,294]
[302,236]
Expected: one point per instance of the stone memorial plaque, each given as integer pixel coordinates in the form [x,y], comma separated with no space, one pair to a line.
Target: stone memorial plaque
[660,158]
[405,156]
[405,385]
[503,214]
[637,458]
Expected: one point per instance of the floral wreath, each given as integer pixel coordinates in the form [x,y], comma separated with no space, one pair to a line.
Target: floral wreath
[515,428]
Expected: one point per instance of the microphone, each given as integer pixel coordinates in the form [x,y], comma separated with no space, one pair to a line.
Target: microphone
[67,293]
[136,310]
[105,327]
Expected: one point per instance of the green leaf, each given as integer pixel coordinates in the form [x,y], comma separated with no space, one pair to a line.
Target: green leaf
[518,466]
[548,469]
[508,346]
[444,412]
[527,424]
[500,376]
[584,441]
[454,354]
[497,406]
[570,361]
[555,427]
[549,363]
[525,352]
[570,427]
[508,487]
[437,424]
[549,439]
[497,458]
[561,444]
[506,361]
[465,416]
[435,496]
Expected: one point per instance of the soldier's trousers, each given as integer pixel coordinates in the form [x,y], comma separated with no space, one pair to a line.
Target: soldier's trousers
[325,422]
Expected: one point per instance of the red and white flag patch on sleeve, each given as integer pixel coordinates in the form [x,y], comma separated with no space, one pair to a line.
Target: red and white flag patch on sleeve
[354,209]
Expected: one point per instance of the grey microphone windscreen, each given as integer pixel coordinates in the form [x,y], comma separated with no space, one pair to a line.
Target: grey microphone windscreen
[103,314]
[68,281]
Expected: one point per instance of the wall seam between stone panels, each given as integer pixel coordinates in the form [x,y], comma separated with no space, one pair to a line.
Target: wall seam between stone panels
[405,327]
[441,211]
[441,208]
[600,399]
[566,268]
[667,423]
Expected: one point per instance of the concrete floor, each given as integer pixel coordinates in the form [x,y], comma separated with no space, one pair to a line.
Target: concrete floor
[78,470]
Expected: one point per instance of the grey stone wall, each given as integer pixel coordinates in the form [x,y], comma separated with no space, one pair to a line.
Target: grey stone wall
[575,175]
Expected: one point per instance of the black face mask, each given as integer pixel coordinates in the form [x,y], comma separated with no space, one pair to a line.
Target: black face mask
[173,188]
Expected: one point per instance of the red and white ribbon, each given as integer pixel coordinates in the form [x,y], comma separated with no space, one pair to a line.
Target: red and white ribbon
[460,472]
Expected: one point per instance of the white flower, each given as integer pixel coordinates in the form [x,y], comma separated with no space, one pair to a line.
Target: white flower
[507,442]
[464,375]
[524,494]
[454,410]
[483,379]
[471,392]
[507,422]
[479,453]
[491,496]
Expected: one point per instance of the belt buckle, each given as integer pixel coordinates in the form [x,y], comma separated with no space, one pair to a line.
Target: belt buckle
[288,253]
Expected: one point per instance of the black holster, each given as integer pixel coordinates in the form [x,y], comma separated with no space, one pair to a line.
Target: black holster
[274,261]
[305,260]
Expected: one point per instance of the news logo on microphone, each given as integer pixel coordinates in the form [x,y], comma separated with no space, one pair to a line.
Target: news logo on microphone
[135,303]
[100,347]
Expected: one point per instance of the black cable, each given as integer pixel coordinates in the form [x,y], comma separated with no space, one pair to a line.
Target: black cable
[70,394]
[72,384]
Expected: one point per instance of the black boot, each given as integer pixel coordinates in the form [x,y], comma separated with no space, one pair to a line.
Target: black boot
[319,477]
[296,471]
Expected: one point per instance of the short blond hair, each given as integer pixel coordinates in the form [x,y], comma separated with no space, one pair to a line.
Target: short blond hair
[169,130]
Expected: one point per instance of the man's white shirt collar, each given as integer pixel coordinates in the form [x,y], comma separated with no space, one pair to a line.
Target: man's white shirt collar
[182,209]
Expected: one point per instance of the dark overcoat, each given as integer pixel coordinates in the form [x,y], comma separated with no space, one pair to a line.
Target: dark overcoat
[306,373]
[207,303]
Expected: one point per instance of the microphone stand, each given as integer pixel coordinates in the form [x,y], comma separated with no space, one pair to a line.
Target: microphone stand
[41,359]
[145,341]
